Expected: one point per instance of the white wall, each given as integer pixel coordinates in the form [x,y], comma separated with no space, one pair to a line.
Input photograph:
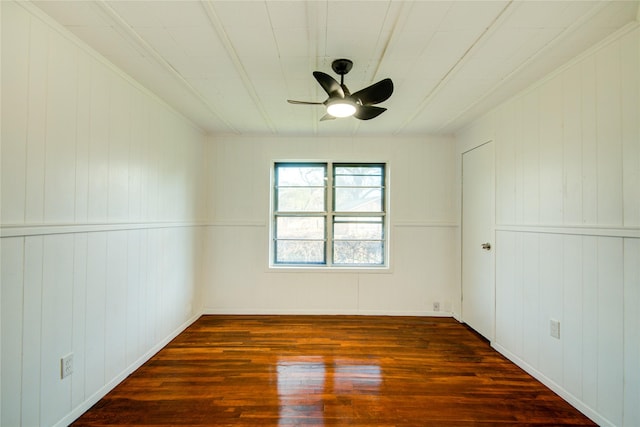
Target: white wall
[568,228]
[423,245]
[100,193]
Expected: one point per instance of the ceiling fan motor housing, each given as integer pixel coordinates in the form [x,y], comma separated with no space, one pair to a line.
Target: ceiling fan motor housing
[342,66]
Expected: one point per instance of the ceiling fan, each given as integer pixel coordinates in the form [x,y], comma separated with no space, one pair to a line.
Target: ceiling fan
[342,103]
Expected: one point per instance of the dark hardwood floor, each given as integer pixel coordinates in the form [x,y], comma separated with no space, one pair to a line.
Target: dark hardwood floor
[328,371]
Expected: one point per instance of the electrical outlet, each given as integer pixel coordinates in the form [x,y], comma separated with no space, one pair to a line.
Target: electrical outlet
[554,328]
[436,306]
[66,365]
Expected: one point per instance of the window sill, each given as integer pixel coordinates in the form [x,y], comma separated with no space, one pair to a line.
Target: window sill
[313,269]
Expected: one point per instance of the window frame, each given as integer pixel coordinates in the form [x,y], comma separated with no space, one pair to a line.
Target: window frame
[329,216]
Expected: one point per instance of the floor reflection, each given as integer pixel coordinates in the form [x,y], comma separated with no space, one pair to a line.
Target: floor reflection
[314,388]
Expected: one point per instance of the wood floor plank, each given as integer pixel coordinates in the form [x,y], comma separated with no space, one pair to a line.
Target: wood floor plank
[330,371]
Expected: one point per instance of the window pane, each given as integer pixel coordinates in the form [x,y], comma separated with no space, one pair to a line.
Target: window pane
[300,251]
[300,176]
[358,200]
[300,228]
[358,176]
[357,252]
[300,199]
[358,229]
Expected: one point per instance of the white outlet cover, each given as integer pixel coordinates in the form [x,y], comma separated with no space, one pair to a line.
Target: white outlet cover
[66,366]
[554,328]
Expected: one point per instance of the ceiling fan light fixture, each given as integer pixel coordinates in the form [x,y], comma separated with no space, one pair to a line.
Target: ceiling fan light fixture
[341,102]
[341,108]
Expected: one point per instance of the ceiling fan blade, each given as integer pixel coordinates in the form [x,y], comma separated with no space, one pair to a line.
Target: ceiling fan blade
[368,112]
[376,93]
[329,84]
[291,101]
[327,117]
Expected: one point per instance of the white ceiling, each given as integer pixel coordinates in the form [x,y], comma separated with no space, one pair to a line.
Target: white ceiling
[229,66]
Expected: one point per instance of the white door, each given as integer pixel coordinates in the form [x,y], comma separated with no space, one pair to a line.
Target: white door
[478,210]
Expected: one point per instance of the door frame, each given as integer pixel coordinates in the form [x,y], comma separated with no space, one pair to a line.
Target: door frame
[492,233]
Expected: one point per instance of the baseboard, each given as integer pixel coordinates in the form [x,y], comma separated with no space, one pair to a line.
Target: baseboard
[93,399]
[404,313]
[555,387]
[276,312]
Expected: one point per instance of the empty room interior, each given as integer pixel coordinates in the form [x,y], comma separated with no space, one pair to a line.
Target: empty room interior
[172,171]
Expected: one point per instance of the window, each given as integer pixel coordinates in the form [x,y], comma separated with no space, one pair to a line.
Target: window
[329,214]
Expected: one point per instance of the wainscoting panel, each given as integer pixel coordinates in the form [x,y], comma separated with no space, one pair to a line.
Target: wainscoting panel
[105,297]
[582,282]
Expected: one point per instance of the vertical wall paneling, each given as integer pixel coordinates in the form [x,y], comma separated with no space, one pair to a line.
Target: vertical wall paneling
[80,264]
[590,321]
[15,44]
[154,283]
[506,160]
[60,142]
[509,252]
[137,157]
[133,349]
[37,122]
[12,299]
[610,328]
[95,274]
[550,154]
[609,120]
[116,304]
[32,314]
[98,194]
[519,160]
[165,183]
[83,293]
[83,136]
[530,166]
[414,203]
[572,146]
[144,306]
[57,294]
[630,93]
[551,274]
[95,312]
[119,142]
[151,167]
[631,338]
[531,298]
[568,148]
[589,142]
[572,320]
[163,313]
[518,296]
